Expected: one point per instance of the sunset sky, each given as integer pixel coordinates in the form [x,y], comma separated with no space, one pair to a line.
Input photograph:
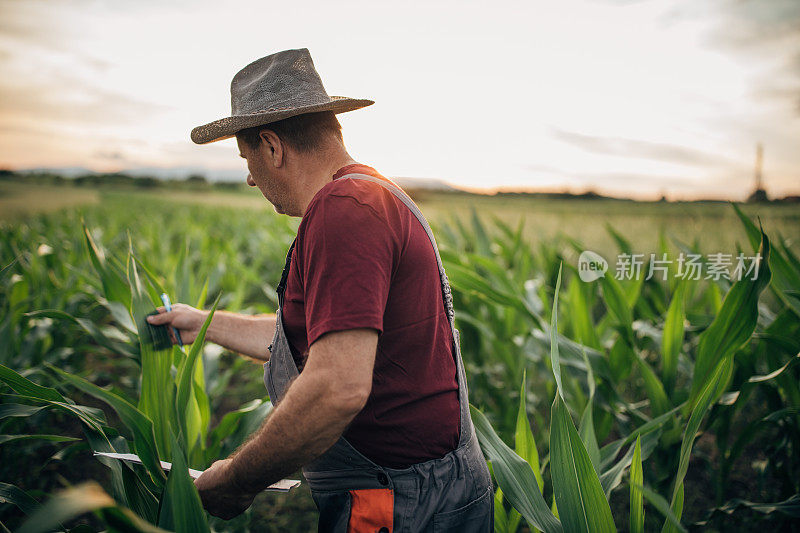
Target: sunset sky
[634,98]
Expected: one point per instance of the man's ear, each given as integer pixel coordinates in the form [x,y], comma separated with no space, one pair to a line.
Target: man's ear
[274,146]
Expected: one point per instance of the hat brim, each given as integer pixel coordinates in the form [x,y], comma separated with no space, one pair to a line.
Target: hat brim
[225,128]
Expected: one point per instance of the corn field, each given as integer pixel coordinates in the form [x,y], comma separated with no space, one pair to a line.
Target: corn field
[616,404]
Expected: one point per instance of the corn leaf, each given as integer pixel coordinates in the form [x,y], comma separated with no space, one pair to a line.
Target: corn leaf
[698,413]
[786,271]
[27,387]
[188,409]
[524,443]
[637,479]
[158,388]
[115,287]
[582,505]
[19,498]
[789,507]
[19,410]
[81,499]
[672,337]
[732,326]
[661,505]
[181,509]
[612,476]
[555,361]
[52,438]
[514,476]
[659,403]
[136,421]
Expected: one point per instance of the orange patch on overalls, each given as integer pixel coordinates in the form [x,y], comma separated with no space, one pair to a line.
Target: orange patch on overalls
[371,510]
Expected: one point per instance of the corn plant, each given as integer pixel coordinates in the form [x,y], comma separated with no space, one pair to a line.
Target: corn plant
[169,422]
[582,475]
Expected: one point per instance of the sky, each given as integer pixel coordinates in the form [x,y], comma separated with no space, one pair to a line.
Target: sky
[628,98]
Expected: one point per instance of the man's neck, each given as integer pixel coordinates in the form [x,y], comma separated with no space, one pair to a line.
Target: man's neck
[318,170]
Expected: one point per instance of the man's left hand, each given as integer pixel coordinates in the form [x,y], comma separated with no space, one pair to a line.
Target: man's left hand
[219,493]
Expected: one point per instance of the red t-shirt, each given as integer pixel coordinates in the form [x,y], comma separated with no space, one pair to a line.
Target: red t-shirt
[363,260]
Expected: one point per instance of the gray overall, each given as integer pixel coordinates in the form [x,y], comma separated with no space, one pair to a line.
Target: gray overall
[352,493]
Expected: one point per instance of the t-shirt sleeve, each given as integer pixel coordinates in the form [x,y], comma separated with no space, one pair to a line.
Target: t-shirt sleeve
[348,254]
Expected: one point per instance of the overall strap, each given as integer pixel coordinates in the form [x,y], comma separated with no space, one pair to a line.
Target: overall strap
[403,197]
[465,429]
[285,274]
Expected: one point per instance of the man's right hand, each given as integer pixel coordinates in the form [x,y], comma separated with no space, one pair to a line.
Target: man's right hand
[185,318]
[247,334]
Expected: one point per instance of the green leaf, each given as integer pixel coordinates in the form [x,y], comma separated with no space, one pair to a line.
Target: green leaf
[236,426]
[115,287]
[524,443]
[464,279]
[186,404]
[733,325]
[580,313]
[672,337]
[88,326]
[637,479]
[554,359]
[616,302]
[158,388]
[135,420]
[789,507]
[27,387]
[514,476]
[784,267]
[587,435]
[19,410]
[500,515]
[698,413]
[674,513]
[18,497]
[655,391]
[52,438]
[609,452]
[661,505]
[81,499]
[582,505]
[181,508]
[612,476]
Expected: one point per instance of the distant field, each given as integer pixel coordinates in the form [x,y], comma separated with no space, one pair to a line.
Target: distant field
[19,199]
[712,224]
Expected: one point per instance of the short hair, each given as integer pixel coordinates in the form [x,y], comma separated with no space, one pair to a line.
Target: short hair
[304,132]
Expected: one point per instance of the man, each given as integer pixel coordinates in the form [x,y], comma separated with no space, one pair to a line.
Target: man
[364,365]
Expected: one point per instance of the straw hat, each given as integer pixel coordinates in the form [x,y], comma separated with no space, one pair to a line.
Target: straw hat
[272,88]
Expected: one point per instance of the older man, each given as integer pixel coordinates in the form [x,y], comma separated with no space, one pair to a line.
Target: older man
[364,364]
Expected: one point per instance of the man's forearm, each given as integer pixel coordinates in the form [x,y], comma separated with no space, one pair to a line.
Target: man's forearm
[309,420]
[246,334]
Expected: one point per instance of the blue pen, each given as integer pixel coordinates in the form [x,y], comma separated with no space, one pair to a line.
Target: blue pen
[168,307]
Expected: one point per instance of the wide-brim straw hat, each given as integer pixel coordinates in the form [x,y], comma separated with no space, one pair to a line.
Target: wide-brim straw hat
[273,88]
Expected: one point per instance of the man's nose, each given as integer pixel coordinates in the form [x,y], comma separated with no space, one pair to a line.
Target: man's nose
[250,181]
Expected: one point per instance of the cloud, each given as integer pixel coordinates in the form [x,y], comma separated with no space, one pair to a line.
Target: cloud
[68,102]
[33,26]
[616,146]
[753,24]
[766,33]
[621,178]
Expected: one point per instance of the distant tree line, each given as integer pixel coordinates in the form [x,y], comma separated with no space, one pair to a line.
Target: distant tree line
[118,180]
[199,182]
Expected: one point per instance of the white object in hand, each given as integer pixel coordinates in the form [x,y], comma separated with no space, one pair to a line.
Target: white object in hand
[283,485]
